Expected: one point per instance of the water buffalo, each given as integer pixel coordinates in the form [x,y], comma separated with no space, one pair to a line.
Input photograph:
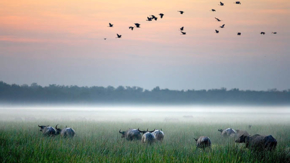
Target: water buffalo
[229,132]
[131,134]
[48,130]
[66,132]
[159,135]
[203,142]
[258,142]
[148,136]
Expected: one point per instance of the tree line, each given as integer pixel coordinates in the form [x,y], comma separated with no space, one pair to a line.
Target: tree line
[59,94]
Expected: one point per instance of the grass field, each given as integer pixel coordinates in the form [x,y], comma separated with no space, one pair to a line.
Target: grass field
[99,141]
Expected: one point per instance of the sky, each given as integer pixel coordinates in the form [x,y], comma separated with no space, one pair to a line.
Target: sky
[62,42]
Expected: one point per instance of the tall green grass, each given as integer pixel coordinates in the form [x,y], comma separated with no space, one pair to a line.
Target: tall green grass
[101,142]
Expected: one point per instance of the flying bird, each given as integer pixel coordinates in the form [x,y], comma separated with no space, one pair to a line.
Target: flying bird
[216,31]
[110,25]
[137,25]
[238,2]
[213,10]
[181,12]
[131,27]
[105,38]
[221,4]
[183,33]
[263,33]
[154,17]
[161,15]
[239,33]
[119,36]
[274,33]
[182,28]
[222,26]
[149,19]
[217,19]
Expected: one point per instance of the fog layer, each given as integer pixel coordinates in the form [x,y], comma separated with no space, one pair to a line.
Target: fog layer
[247,115]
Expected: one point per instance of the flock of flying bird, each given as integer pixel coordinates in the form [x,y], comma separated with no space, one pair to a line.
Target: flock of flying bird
[222,26]
[137,25]
[153,17]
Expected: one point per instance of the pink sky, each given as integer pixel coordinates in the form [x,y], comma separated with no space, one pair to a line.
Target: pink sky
[61,42]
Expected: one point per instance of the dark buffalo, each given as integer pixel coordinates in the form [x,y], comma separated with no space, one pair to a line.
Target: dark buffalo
[131,134]
[48,130]
[258,142]
[203,142]
[148,136]
[229,132]
[159,135]
[66,132]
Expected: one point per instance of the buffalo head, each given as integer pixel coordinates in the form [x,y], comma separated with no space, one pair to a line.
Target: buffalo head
[241,139]
[58,130]
[122,132]
[42,127]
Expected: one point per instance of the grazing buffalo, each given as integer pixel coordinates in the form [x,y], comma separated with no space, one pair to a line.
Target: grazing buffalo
[148,137]
[48,130]
[66,132]
[131,134]
[229,132]
[258,142]
[159,135]
[203,142]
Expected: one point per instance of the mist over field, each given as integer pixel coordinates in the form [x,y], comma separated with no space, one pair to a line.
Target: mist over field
[139,114]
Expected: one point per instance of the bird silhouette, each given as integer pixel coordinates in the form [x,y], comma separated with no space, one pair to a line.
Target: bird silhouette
[183,33]
[221,4]
[161,15]
[105,38]
[239,33]
[181,12]
[216,31]
[119,36]
[222,26]
[110,25]
[182,28]
[149,19]
[131,27]
[213,10]
[137,25]
[274,33]
[263,33]
[217,19]
[238,2]
[154,17]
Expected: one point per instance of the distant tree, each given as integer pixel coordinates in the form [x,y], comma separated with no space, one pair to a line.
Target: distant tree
[156,89]
[34,85]
[13,93]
